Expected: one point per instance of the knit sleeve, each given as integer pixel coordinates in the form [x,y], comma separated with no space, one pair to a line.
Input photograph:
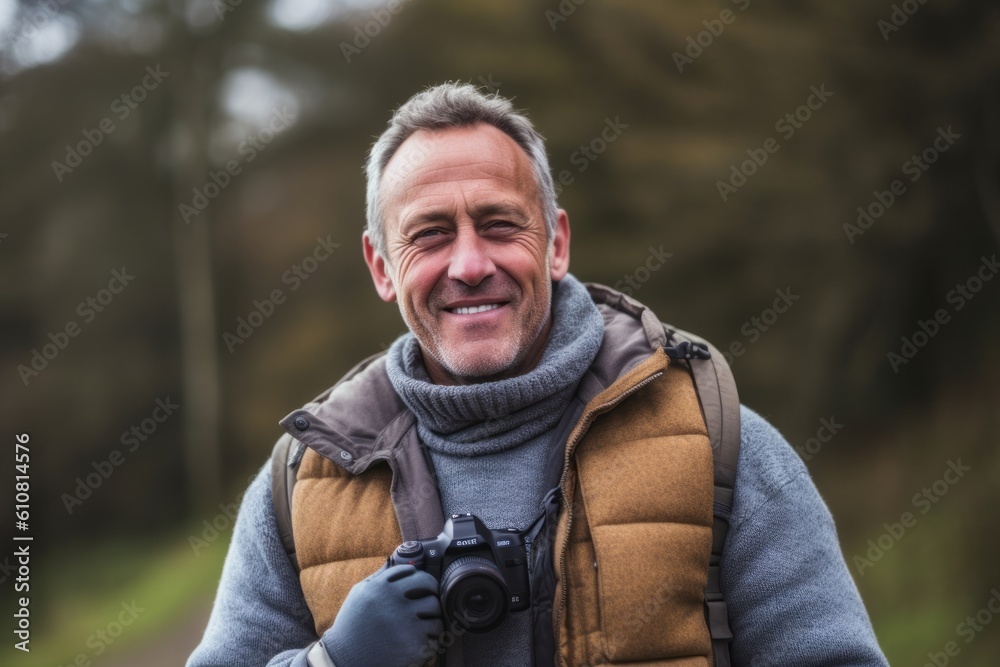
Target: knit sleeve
[260,616]
[791,598]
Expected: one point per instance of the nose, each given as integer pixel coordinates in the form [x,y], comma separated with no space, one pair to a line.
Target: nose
[470,261]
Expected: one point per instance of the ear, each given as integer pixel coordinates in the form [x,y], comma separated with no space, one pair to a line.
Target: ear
[379,270]
[559,252]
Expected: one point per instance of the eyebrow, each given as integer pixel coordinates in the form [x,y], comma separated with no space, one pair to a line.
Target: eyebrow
[497,208]
[477,212]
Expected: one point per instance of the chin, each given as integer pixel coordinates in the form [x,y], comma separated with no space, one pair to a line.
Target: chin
[482,363]
[477,367]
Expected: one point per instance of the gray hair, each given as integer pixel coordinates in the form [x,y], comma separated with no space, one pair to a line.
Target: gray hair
[454,105]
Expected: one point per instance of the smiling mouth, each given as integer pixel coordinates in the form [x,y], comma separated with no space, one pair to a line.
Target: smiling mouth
[470,310]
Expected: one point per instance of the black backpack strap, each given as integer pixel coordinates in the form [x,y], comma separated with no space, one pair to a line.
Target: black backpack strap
[285,460]
[720,404]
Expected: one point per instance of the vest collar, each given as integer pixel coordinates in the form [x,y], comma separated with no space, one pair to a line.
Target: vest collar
[360,420]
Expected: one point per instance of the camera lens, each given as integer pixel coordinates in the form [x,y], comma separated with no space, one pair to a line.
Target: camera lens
[474,594]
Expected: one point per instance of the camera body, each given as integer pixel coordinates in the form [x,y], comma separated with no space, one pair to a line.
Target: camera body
[482,573]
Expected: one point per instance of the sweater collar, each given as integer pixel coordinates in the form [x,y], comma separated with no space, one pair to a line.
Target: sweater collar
[489,417]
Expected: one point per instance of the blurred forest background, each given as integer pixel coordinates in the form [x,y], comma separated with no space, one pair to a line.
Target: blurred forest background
[118,116]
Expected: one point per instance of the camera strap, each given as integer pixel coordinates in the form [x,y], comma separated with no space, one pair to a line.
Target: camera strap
[540,535]
[538,539]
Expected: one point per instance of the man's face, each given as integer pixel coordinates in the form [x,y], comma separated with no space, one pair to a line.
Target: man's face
[468,254]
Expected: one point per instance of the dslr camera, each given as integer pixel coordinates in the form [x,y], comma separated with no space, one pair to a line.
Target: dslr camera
[483,573]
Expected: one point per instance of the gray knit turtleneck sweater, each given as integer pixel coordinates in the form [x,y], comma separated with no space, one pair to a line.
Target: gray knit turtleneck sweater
[489,441]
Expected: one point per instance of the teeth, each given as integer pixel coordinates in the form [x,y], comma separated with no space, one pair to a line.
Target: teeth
[469,310]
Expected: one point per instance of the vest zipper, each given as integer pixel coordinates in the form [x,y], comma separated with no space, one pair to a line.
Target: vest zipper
[585,423]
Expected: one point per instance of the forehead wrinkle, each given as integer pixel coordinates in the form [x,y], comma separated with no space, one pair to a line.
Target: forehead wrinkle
[481,171]
[424,182]
[479,203]
[419,170]
[428,145]
[505,206]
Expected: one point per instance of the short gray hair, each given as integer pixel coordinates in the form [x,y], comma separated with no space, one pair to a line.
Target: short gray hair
[445,106]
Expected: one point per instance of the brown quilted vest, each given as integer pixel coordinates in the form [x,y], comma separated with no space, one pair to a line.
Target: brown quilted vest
[634,534]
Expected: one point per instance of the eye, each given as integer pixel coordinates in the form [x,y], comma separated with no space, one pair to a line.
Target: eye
[428,236]
[501,225]
[429,233]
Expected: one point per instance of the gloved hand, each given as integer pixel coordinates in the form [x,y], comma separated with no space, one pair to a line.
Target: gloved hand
[391,618]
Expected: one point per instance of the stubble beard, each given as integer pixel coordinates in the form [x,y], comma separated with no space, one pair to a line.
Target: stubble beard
[498,361]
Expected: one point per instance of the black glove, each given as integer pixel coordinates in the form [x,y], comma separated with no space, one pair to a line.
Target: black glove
[391,618]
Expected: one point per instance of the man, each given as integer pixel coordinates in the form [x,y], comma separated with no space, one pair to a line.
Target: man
[515,375]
